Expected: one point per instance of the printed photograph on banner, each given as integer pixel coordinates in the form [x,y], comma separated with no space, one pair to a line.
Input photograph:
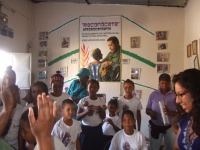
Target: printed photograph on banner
[162,68]
[135,73]
[100,47]
[65,41]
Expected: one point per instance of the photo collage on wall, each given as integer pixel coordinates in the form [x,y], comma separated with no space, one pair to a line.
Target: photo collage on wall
[4,29]
[162,56]
[42,55]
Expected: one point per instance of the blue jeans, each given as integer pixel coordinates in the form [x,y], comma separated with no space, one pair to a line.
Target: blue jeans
[169,138]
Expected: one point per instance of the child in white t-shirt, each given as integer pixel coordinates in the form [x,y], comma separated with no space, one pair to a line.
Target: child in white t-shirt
[90,110]
[111,123]
[128,138]
[67,129]
[57,94]
[130,102]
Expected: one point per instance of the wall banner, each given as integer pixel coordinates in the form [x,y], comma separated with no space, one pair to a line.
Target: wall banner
[100,50]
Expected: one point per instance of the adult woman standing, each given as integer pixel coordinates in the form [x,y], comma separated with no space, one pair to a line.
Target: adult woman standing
[187,88]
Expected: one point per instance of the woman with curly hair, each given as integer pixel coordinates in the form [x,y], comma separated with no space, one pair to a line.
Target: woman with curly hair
[187,88]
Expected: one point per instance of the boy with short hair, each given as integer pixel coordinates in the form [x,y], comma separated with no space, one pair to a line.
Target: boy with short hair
[67,129]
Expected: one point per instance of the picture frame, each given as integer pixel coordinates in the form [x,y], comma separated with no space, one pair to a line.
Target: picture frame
[65,42]
[42,74]
[43,36]
[163,68]
[161,35]
[42,53]
[125,61]
[135,73]
[137,93]
[194,47]
[196,62]
[63,71]
[42,63]
[162,57]
[162,46]
[189,51]
[74,61]
[43,44]
[135,42]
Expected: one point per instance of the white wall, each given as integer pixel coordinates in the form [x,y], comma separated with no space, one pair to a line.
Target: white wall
[49,16]
[20,20]
[192,30]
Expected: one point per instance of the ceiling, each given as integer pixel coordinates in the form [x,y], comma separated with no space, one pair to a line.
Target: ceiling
[164,3]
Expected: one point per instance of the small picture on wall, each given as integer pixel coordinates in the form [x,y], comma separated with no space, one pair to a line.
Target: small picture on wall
[194,47]
[43,43]
[65,42]
[161,35]
[42,75]
[43,36]
[162,57]
[162,46]
[137,93]
[63,71]
[189,51]
[42,53]
[125,61]
[135,42]
[74,61]
[42,63]
[162,68]
[135,73]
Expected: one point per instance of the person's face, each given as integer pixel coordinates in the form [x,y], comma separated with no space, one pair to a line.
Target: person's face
[128,88]
[183,97]
[68,111]
[128,123]
[111,46]
[57,88]
[35,91]
[84,80]
[92,88]
[10,78]
[112,108]
[27,133]
[164,85]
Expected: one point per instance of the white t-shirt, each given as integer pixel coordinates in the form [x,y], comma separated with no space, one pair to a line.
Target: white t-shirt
[92,119]
[133,104]
[57,144]
[108,128]
[67,134]
[122,141]
[59,103]
[12,136]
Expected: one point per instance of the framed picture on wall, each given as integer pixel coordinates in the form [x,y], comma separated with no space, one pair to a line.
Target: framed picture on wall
[135,73]
[43,44]
[65,42]
[63,71]
[162,68]
[162,46]
[42,75]
[194,47]
[43,35]
[135,42]
[162,57]
[42,53]
[42,63]
[161,35]
[189,51]
[125,61]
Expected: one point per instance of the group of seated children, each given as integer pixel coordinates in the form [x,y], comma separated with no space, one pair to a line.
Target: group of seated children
[94,127]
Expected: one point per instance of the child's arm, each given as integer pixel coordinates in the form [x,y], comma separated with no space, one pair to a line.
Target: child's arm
[20,139]
[101,112]
[138,119]
[78,146]
[112,124]
[81,113]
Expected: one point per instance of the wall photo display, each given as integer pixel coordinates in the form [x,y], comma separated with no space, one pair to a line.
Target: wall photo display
[125,61]
[162,68]
[194,47]
[161,35]
[162,57]
[135,73]
[63,71]
[65,42]
[135,42]
[42,74]
[189,51]
[43,36]
[162,46]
